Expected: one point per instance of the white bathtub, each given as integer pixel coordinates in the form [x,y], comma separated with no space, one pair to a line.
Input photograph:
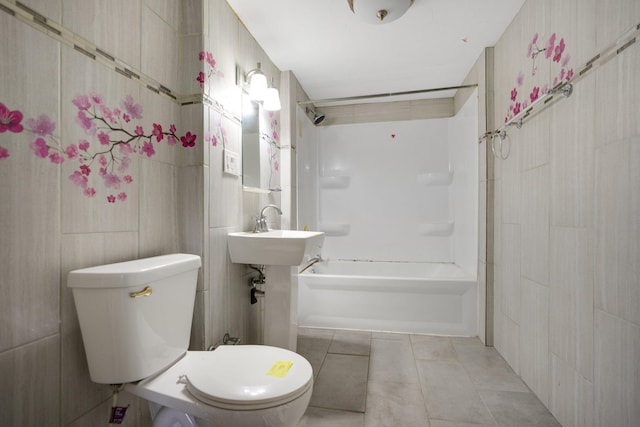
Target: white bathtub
[429,298]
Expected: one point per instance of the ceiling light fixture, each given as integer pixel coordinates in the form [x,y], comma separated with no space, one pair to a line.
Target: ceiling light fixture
[379,11]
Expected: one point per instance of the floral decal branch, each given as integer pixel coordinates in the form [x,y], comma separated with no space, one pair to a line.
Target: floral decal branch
[112,137]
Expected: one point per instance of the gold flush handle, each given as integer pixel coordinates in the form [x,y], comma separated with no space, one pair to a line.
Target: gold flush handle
[143,293]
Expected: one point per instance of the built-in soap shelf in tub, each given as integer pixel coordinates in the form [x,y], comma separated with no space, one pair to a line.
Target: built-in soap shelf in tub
[430,179]
[335,181]
[436,228]
[334,229]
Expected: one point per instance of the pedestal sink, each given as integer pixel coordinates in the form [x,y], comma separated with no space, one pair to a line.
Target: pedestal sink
[281,252]
[274,247]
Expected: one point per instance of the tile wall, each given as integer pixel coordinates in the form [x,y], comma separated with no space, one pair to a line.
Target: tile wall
[178,200]
[566,224]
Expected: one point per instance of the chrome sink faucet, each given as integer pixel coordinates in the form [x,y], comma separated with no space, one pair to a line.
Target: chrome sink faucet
[261,222]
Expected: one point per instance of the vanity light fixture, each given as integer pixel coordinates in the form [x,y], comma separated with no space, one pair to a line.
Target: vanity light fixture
[257,83]
[379,11]
[271,99]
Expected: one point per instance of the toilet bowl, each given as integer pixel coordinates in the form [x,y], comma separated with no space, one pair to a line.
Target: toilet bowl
[135,319]
[231,386]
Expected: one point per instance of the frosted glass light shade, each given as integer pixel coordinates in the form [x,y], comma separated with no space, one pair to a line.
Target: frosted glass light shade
[368,10]
[258,86]
[271,100]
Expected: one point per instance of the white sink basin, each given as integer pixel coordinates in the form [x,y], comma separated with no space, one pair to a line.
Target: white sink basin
[275,247]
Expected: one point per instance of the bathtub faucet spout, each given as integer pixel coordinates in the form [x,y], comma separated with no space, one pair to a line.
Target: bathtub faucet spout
[261,222]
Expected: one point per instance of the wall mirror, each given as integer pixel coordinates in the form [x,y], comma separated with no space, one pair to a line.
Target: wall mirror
[260,147]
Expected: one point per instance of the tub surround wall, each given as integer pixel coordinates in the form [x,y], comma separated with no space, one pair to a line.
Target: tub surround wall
[565,218]
[386,190]
[178,199]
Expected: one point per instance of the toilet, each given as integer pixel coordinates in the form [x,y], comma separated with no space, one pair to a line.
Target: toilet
[135,318]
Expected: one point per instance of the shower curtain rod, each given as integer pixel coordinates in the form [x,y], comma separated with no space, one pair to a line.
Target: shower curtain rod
[383,95]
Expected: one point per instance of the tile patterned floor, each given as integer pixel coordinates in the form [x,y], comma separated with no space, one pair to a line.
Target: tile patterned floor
[370,379]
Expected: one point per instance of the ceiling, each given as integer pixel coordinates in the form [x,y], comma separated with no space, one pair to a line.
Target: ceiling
[335,55]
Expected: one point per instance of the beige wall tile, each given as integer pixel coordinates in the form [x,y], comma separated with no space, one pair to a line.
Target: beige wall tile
[190,47]
[158,209]
[534,338]
[159,49]
[535,225]
[572,158]
[510,342]
[571,306]
[30,191]
[191,21]
[191,210]
[222,40]
[225,197]
[613,18]
[511,183]
[194,118]
[616,229]
[167,10]
[571,395]
[94,20]
[31,382]
[30,239]
[511,271]
[616,374]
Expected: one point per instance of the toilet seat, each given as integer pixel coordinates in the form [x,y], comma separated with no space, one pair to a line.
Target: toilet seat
[237,377]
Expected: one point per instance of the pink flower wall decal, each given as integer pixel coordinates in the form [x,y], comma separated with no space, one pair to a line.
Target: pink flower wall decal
[554,51]
[113,138]
[550,45]
[79,179]
[111,180]
[134,110]
[535,93]
[71,151]
[210,69]
[570,74]
[557,53]
[189,140]
[10,120]
[39,147]
[42,126]
[201,78]
[147,148]
[56,158]
[157,132]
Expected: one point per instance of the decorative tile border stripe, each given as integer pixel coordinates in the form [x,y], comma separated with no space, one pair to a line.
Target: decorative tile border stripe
[56,31]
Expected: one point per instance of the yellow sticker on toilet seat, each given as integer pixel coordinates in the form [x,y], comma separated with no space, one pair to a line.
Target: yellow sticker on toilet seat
[280,368]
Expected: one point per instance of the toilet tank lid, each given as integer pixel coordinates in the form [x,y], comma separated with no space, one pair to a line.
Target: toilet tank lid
[133,273]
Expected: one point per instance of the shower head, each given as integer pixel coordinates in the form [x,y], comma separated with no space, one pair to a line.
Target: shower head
[317,118]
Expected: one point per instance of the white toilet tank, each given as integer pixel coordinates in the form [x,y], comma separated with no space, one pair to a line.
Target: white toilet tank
[135,316]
